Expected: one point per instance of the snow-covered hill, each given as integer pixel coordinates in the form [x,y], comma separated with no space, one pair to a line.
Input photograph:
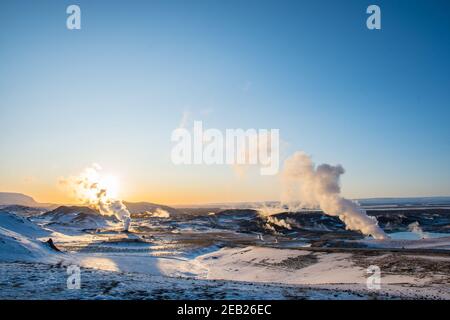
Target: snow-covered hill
[21,225]
[77,217]
[18,240]
[23,211]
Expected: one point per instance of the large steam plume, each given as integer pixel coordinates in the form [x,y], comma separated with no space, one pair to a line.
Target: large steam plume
[97,192]
[305,185]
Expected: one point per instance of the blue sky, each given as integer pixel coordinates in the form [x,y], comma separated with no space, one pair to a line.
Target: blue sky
[376,102]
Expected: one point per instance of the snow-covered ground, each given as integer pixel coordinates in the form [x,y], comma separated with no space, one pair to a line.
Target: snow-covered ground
[176,265]
[43,281]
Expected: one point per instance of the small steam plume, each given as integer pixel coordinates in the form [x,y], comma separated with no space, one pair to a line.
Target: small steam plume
[279,222]
[158,213]
[305,185]
[98,192]
[415,228]
[268,212]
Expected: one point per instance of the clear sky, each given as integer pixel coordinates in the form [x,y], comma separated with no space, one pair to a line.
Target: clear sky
[377,102]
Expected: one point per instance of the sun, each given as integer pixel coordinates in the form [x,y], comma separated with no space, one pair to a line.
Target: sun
[100,192]
[110,183]
[92,186]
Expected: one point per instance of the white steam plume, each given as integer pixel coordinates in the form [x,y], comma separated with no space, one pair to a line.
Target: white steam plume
[313,186]
[158,213]
[99,192]
[279,222]
[415,228]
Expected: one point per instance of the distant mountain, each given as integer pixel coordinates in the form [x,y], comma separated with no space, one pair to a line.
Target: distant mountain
[139,208]
[9,198]
[413,201]
[13,198]
[364,202]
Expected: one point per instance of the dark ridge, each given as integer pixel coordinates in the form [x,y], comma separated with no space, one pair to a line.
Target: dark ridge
[63,210]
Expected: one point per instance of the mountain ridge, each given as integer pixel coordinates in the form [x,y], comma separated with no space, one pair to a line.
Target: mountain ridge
[16,198]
